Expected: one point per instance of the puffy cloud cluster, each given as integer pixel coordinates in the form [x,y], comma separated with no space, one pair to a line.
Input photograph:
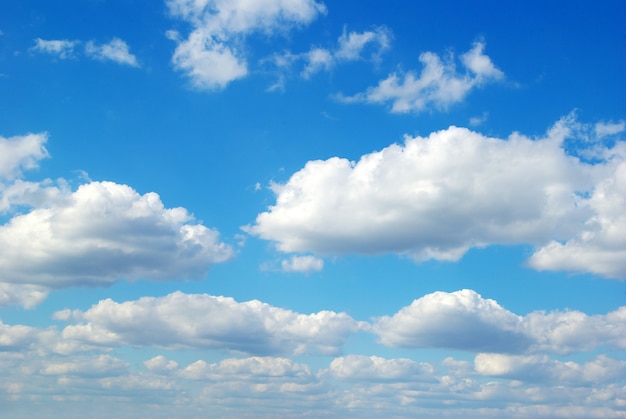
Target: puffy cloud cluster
[211,55]
[438,85]
[464,320]
[44,365]
[435,197]
[115,50]
[101,233]
[183,320]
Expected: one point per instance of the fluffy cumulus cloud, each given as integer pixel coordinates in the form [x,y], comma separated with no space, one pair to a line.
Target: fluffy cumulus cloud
[98,234]
[200,321]
[435,197]
[211,55]
[104,232]
[464,320]
[439,84]
[460,320]
[600,246]
[116,50]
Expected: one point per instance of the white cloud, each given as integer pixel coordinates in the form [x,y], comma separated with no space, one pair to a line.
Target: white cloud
[464,320]
[63,48]
[600,246]
[21,153]
[101,365]
[302,264]
[210,56]
[27,296]
[104,232]
[432,198]
[375,368]
[540,368]
[459,320]
[252,369]
[209,64]
[435,197]
[351,46]
[438,85]
[604,129]
[203,321]
[116,50]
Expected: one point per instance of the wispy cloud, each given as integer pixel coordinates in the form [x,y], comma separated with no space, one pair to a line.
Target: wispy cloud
[116,50]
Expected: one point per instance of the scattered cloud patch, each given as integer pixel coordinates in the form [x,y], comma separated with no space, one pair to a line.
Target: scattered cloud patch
[21,153]
[212,55]
[62,48]
[302,264]
[116,51]
[351,46]
[603,129]
[435,197]
[438,86]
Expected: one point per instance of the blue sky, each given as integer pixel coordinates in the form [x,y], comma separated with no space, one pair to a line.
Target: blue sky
[286,208]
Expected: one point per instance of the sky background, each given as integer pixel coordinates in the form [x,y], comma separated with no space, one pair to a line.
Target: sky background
[287,208]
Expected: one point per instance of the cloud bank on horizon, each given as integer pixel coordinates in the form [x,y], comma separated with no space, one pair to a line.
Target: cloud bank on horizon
[259,241]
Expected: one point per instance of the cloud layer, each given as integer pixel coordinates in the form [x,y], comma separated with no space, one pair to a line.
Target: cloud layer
[435,197]
[44,365]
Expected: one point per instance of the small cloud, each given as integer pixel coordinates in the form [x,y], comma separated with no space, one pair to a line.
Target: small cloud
[479,120]
[117,51]
[609,128]
[302,264]
[63,48]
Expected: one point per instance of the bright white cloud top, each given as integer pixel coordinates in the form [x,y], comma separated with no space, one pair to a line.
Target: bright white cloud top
[436,197]
[288,208]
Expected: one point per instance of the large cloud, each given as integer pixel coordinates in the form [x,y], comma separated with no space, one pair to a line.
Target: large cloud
[183,320]
[438,85]
[464,320]
[435,197]
[104,232]
[209,55]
